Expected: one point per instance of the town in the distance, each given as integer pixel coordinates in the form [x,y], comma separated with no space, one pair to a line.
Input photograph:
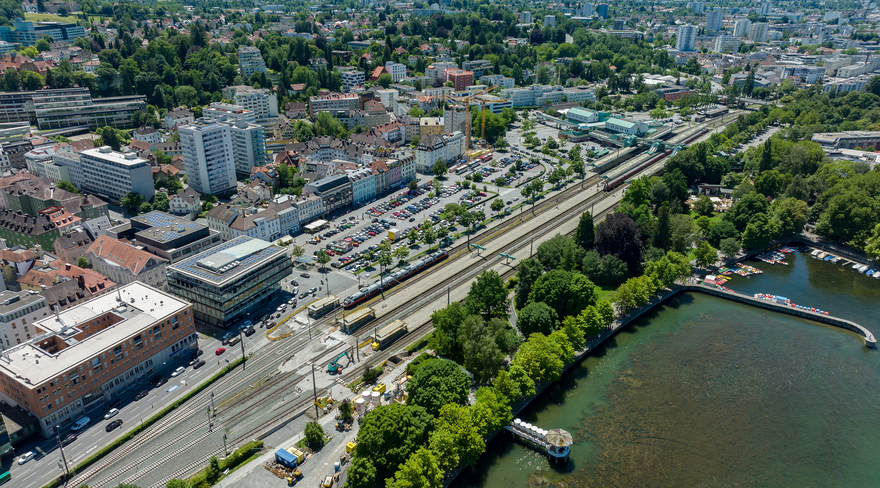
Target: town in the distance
[364,243]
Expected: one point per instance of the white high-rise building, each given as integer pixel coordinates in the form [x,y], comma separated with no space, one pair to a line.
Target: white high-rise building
[699,8]
[248,145]
[713,20]
[758,32]
[766,7]
[353,78]
[207,157]
[250,61]
[741,27]
[397,70]
[726,44]
[550,20]
[588,10]
[685,37]
[114,174]
[262,102]
[525,17]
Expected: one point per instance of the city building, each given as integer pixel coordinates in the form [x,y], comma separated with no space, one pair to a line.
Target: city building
[228,282]
[550,20]
[352,79]
[430,126]
[81,359]
[177,117]
[742,27]
[685,37]
[208,157]
[28,33]
[20,229]
[438,70]
[19,310]
[186,203]
[766,7]
[279,218]
[850,139]
[525,17]
[228,111]
[69,107]
[461,79]
[758,32]
[582,115]
[699,8]
[335,192]
[807,74]
[726,44]
[714,19]
[363,185]
[626,126]
[602,10]
[397,71]
[262,102]
[172,238]
[111,174]
[250,61]
[332,101]
[445,147]
[32,195]
[148,134]
[124,263]
[248,145]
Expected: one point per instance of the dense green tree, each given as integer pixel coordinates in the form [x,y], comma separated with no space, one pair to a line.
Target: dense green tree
[703,206]
[437,383]
[759,231]
[514,383]
[491,410]
[421,470]
[790,214]
[440,168]
[705,255]
[559,252]
[668,269]
[619,235]
[132,201]
[872,246]
[742,211]
[487,293]
[529,270]
[566,292]
[537,317]
[314,435]
[457,439]
[729,247]
[850,215]
[540,358]
[68,186]
[585,234]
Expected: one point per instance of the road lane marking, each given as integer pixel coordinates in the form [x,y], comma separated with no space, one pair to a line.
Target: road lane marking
[92,449]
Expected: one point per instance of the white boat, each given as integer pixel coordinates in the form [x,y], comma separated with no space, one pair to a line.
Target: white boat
[821,255]
[835,259]
[815,252]
[876,275]
[857,266]
[863,268]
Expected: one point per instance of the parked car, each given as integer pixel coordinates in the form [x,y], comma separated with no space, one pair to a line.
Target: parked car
[80,424]
[304,275]
[69,439]
[198,353]
[112,425]
[249,331]
[199,364]
[313,289]
[220,350]
[141,395]
[179,371]
[26,457]
[111,413]
[160,381]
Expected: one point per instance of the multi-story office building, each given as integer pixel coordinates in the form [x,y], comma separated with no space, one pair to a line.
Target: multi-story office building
[19,310]
[81,359]
[588,10]
[208,157]
[550,20]
[124,263]
[332,101]
[713,20]
[447,147]
[807,74]
[172,238]
[758,32]
[68,107]
[742,27]
[112,174]
[228,111]
[248,146]
[250,61]
[397,71]
[352,79]
[261,102]
[228,282]
[685,37]
[726,44]
[28,33]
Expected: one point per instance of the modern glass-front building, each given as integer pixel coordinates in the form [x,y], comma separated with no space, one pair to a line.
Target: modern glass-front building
[229,281]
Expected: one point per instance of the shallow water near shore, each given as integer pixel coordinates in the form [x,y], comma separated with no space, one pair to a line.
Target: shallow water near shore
[706,392]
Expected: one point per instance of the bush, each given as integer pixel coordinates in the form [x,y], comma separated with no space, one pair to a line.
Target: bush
[414,365]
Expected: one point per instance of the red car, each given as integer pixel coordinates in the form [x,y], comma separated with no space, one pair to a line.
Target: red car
[220,351]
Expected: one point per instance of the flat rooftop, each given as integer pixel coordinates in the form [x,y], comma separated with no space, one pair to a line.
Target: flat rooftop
[122,159]
[11,301]
[163,228]
[228,260]
[140,308]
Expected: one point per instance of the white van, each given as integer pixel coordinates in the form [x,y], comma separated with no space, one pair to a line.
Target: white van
[80,424]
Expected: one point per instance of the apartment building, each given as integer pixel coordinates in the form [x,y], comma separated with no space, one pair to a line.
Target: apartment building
[280,218]
[172,238]
[685,38]
[69,107]
[713,20]
[352,79]
[81,359]
[332,101]
[726,44]
[228,111]
[111,174]
[758,32]
[19,310]
[446,147]
[363,185]
[438,70]
[262,102]
[28,33]
[742,27]
[124,263]
[250,61]
[208,157]
[461,79]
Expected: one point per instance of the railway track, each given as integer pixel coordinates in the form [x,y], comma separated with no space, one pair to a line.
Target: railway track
[201,401]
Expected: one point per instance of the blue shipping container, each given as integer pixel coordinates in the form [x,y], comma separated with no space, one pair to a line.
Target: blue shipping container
[285,458]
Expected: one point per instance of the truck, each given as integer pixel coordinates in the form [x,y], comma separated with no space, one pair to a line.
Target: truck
[384,336]
[394,234]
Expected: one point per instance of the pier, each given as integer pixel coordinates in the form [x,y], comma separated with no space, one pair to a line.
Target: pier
[556,443]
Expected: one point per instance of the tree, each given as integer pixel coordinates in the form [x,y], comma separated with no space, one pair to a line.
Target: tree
[585,234]
[385,80]
[440,168]
[388,436]
[729,247]
[705,255]
[68,186]
[514,383]
[790,214]
[566,292]
[297,251]
[742,212]
[421,470]
[323,258]
[456,439]
[314,434]
[529,270]
[482,353]
[345,409]
[43,45]
[487,293]
[668,269]
[559,252]
[447,324]
[759,231]
[31,80]
[537,317]
[620,236]
[114,138]
[437,383]
[82,262]
[385,260]
[161,203]
[704,206]
[872,246]
[497,205]
[177,483]
[132,201]
[540,358]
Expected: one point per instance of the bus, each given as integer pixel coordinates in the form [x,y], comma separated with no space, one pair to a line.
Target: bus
[486,159]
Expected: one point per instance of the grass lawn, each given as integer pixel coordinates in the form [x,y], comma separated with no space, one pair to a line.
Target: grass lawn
[715,218]
[50,18]
[603,292]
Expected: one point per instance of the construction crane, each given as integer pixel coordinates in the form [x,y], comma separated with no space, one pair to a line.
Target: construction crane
[467,120]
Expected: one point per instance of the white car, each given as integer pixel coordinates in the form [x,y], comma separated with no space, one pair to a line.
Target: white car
[177,372]
[26,457]
[80,424]
[111,413]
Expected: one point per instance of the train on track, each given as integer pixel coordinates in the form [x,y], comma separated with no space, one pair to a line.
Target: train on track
[412,269]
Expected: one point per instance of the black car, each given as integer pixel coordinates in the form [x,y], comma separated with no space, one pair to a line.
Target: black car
[160,381]
[67,440]
[198,353]
[294,283]
[141,395]
[228,337]
[303,295]
[112,425]
[249,331]
[199,364]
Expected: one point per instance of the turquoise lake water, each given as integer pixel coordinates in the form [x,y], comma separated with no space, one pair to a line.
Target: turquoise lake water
[706,392]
